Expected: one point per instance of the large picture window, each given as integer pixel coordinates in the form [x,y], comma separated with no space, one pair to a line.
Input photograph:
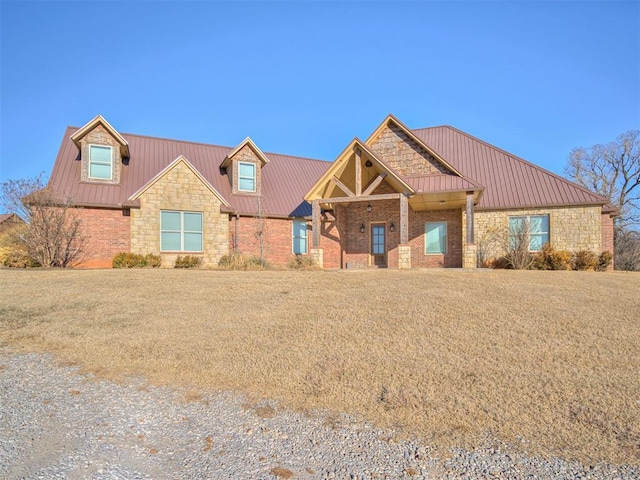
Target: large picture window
[100,159]
[180,231]
[534,229]
[299,236]
[435,237]
[246,177]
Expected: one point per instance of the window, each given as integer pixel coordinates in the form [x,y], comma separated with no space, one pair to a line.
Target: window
[180,231]
[435,234]
[299,236]
[534,227]
[100,162]
[246,177]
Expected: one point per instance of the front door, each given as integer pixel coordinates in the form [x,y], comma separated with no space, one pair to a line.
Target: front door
[378,245]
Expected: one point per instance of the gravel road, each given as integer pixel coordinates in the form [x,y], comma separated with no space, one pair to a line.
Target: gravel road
[58,423]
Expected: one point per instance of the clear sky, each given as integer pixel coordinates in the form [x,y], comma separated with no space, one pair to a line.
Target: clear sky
[304,78]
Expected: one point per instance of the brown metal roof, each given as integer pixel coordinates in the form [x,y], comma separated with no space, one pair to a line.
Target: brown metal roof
[5,216]
[285,179]
[441,183]
[509,181]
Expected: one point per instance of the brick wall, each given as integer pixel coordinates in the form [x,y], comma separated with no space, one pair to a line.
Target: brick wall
[179,189]
[277,238]
[107,233]
[570,228]
[100,136]
[403,154]
[607,235]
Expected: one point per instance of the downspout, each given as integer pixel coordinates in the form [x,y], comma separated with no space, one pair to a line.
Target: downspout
[235,235]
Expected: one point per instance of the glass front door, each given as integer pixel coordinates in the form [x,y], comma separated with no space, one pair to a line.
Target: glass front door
[378,245]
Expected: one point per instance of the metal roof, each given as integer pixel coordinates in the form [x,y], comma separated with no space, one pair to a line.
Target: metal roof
[285,179]
[509,181]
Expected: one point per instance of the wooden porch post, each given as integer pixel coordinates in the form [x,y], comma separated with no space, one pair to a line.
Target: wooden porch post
[470,233]
[315,223]
[358,173]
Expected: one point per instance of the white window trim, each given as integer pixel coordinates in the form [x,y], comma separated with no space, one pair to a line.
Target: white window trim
[183,231]
[254,178]
[446,237]
[101,163]
[528,220]
[306,237]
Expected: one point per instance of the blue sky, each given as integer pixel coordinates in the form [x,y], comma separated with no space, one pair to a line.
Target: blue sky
[304,78]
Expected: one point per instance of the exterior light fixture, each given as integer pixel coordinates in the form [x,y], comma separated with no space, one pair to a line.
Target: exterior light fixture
[369,208]
[362,228]
[392,227]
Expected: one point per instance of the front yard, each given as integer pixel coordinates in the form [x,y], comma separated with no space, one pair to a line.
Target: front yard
[547,361]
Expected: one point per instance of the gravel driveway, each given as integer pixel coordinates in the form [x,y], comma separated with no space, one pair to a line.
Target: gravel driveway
[58,423]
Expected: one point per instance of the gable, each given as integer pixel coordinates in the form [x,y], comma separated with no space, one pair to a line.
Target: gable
[403,154]
[176,176]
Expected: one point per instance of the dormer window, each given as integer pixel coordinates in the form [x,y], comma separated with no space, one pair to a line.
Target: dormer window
[100,162]
[246,177]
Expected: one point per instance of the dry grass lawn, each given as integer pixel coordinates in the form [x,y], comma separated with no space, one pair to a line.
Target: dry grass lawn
[547,361]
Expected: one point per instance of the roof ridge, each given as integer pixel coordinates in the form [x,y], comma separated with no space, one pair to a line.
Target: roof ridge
[153,137]
[520,159]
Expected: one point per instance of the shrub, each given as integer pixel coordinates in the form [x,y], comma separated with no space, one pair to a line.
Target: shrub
[240,261]
[152,261]
[551,259]
[188,261]
[604,260]
[19,259]
[136,260]
[500,263]
[584,260]
[303,262]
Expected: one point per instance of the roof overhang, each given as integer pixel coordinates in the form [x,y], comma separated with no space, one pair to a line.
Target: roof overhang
[99,120]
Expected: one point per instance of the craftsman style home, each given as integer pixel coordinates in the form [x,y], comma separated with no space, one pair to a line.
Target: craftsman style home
[401,199]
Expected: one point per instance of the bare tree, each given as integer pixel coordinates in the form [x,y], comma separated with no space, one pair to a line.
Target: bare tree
[612,170]
[53,236]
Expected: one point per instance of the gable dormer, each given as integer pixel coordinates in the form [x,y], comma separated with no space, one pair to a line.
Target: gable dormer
[243,166]
[103,151]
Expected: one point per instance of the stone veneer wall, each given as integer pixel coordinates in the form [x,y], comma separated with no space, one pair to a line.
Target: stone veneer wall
[100,136]
[570,228]
[403,154]
[179,189]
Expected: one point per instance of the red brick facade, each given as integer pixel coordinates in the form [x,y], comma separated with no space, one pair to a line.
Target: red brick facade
[607,235]
[277,238]
[107,232]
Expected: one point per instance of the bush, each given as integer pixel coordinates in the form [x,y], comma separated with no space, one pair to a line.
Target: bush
[136,260]
[551,259]
[19,259]
[604,260]
[188,261]
[303,262]
[584,260]
[500,263]
[240,261]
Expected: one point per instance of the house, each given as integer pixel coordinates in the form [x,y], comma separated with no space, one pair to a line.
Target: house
[401,198]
